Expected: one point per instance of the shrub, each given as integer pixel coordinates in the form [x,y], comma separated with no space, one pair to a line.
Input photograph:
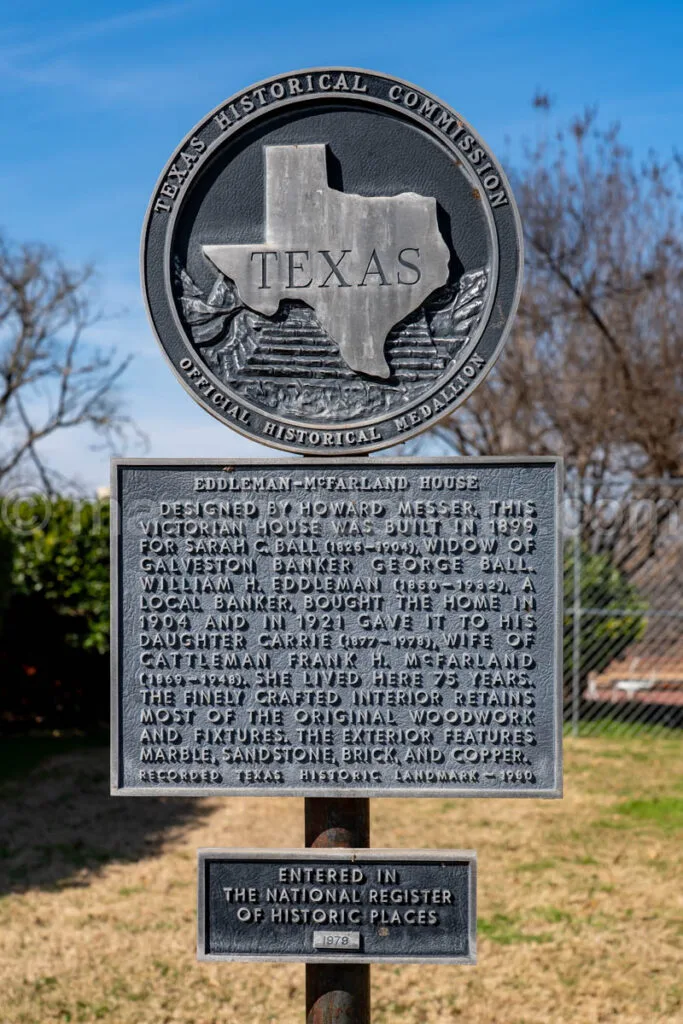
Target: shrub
[605,636]
[55,633]
[65,564]
[6,557]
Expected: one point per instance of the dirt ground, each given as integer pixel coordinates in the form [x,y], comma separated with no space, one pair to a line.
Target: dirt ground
[580,900]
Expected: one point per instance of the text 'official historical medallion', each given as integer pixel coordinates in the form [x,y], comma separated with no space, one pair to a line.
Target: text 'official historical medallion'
[331,261]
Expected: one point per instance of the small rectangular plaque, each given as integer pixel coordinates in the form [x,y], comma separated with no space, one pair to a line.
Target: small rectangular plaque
[323,906]
[338,941]
[356,627]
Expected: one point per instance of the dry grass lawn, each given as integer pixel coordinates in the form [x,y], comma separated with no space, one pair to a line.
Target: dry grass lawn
[580,900]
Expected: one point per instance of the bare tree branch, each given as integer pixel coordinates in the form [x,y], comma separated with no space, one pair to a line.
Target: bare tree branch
[51,378]
[594,367]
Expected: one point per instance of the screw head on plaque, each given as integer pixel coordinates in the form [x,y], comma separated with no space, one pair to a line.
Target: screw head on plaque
[331,261]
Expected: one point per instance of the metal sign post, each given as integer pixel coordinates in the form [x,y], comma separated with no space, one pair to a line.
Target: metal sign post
[337,993]
[331,262]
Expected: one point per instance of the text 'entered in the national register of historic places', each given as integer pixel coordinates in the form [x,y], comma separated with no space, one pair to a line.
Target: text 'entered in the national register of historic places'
[322,906]
[362,627]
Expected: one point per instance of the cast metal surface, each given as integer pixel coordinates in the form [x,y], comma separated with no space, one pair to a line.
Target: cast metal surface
[322,258]
[351,294]
[409,906]
[363,628]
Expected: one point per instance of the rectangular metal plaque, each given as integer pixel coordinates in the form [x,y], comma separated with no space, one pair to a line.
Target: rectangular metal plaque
[324,906]
[340,942]
[362,627]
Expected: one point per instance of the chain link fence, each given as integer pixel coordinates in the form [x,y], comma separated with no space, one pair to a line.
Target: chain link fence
[623,592]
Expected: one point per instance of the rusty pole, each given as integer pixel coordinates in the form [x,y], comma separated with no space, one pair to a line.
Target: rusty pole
[337,993]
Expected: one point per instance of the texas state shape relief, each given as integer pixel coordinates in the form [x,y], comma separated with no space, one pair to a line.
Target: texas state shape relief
[363,263]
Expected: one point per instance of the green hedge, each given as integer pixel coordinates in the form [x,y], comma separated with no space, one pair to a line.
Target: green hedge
[64,560]
[6,560]
[54,634]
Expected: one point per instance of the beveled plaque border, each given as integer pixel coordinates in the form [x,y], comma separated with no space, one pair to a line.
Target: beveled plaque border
[338,856]
[326,464]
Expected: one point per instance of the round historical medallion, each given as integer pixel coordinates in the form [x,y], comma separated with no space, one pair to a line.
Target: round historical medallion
[331,261]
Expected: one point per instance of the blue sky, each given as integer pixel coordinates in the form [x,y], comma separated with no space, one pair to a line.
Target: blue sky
[94,96]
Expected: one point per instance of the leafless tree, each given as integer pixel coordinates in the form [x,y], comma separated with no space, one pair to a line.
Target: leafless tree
[51,377]
[594,367]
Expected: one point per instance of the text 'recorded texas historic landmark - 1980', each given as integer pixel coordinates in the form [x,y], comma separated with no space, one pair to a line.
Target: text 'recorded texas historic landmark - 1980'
[362,627]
